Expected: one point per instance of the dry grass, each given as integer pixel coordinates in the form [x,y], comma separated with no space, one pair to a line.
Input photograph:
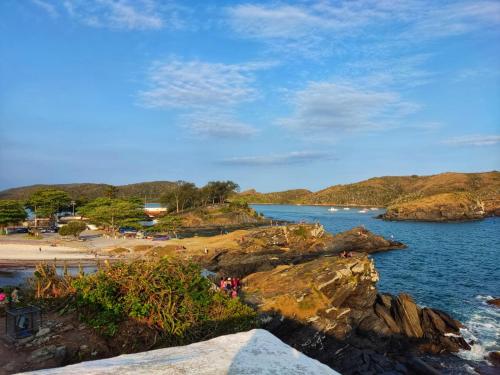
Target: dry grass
[119,251]
[436,200]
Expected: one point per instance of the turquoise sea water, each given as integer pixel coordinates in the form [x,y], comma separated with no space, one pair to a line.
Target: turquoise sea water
[449,266]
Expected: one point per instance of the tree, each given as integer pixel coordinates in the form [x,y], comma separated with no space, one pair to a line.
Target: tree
[48,202]
[111,191]
[112,212]
[11,212]
[169,223]
[180,195]
[73,228]
[219,191]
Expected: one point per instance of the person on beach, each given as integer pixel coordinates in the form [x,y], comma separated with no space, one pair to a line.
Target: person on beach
[40,249]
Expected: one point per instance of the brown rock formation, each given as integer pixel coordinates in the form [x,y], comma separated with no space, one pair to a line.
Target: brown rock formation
[265,248]
[494,302]
[332,303]
[438,207]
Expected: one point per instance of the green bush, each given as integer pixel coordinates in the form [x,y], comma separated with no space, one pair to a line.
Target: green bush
[73,228]
[168,296]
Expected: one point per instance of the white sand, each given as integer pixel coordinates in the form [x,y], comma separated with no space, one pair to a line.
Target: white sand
[20,251]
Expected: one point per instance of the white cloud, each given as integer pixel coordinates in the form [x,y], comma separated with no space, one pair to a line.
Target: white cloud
[474,140]
[47,7]
[314,28]
[455,19]
[296,157]
[179,84]
[117,14]
[213,124]
[324,106]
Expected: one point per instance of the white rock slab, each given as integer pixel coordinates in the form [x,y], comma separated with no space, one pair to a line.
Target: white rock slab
[252,352]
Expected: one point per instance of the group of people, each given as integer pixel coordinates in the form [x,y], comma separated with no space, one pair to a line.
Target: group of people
[13,297]
[230,286]
[345,254]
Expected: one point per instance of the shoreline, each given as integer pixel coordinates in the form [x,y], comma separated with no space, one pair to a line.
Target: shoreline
[319,205]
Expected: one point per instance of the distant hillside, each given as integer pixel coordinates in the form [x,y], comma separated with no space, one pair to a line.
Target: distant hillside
[382,191]
[88,191]
[282,197]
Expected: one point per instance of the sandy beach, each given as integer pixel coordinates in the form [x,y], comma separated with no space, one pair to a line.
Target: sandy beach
[22,251]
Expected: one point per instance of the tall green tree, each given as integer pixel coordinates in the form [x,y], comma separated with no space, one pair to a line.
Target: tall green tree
[219,191]
[180,196]
[11,213]
[48,202]
[111,191]
[169,223]
[112,213]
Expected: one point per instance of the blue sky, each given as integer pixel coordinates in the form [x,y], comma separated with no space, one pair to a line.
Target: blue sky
[273,95]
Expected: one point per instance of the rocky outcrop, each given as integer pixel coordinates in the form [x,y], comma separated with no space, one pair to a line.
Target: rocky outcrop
[330,309]
[494,302]
[438,207]
[266,248]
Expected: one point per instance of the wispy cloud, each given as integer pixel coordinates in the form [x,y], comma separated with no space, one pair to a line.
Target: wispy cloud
[474,140]
[213,124]
[206,94]
[322,27]
[117,14]
[47,7]
[324,106]
[186,84]
[297,157]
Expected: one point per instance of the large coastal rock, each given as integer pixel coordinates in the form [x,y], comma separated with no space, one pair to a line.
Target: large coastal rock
[330,309]
[438,207]
[252,352]
[266,248]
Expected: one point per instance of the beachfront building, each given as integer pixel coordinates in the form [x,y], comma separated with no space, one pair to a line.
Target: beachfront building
[154,209]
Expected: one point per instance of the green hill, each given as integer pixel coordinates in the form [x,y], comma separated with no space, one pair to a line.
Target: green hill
[382,191]
[87,191]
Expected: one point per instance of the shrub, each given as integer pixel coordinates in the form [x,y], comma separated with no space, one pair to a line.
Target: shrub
[73,228]
[170,297]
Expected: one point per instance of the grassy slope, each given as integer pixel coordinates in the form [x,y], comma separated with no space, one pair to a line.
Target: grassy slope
[88,191]
[382,191]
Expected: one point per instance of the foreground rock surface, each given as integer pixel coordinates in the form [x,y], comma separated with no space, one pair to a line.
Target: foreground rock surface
[330,309]
[252,352]
[266,248]
[438,207]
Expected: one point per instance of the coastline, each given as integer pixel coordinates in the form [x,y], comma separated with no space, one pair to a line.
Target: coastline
[319,204]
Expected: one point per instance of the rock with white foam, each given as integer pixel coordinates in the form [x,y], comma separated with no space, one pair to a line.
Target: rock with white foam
[252,352]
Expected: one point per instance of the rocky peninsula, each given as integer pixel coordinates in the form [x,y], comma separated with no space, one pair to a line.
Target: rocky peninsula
[440,207]
[314,290]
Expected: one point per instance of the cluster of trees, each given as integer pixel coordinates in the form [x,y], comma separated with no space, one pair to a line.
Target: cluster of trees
[112,212]
[183,195]
[11,212]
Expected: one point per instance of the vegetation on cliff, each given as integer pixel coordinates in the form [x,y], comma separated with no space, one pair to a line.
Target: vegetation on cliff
[382,191]
[168,299]
[437,207]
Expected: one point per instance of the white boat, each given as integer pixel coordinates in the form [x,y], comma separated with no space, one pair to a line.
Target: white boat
[363,211]
[346,208]
[333,209]
[374,208]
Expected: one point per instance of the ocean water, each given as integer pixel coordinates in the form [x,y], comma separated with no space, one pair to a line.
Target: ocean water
[454,267]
